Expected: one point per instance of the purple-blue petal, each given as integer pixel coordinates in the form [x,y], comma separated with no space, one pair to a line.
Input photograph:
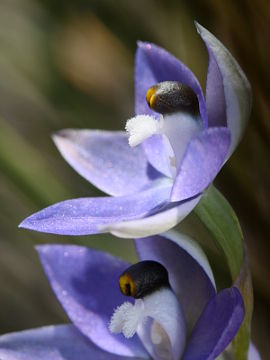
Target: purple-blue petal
[155,151]
[203,159]
[253,353]
[85,282]
[217,326]
[188,269]
[61,342]
[87,215]
[215,98]
[236,87]
[163,220]
[106,160]
[153,65]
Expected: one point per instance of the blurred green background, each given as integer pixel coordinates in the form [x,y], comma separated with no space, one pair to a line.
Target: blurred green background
[70,64]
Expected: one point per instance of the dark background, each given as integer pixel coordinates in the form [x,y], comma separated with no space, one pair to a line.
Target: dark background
[70,64]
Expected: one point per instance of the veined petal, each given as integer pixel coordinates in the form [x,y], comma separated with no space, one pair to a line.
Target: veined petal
[85,282]
[61,342]
[165,219]
[217,326]
[106,160]
[203,159]
[153,65]
[187,264]
[87,215]
[237,90]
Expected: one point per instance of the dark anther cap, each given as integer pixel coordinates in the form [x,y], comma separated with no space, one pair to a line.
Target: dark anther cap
[172,96]
[143,278]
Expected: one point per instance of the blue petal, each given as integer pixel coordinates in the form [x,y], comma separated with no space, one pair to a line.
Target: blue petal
[189,272]
[87,215]
[152,65]
[85,282]
[62,342]
[253,353]
[201,163]
[163,220]
[155,151]
[237,91]
[106,160]
[217,326]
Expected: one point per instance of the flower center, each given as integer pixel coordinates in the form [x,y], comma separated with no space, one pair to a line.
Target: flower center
[179,120]
[155,316]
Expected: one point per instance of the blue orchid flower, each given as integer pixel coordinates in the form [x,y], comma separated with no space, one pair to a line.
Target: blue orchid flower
[184,318]
[155,175]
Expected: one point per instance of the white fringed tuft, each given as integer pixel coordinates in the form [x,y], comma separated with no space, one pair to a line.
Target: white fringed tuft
[126,318]
[165,338]
[142,127]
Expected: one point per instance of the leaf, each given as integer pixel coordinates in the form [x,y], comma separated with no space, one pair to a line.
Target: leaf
[217,215]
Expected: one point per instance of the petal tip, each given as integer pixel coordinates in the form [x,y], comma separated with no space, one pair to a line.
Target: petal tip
[23,224]
[198,26]
[144,45]
[40,249]
[60,134]
[27,224]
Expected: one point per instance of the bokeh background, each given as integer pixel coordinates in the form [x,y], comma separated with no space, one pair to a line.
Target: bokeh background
[69,63]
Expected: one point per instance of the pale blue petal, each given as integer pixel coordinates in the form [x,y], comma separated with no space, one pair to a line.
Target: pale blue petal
[106,160]
[203,159]
[62,342]
[237,90]
[155,150]
[253,353]
[165,219]
[88,215]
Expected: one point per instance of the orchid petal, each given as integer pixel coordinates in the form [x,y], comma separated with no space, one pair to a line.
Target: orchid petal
[187,264]
[153,65]
[215,98]
[86,215]
[217,326]
[165,219]
[202,161]
[236,87]
[253,353]
[106,160]
[156,153]
[85,282]
[62,342]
